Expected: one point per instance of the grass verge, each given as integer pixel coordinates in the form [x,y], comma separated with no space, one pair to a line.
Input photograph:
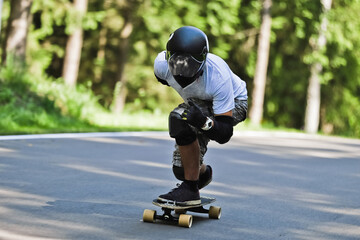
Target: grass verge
[30,105]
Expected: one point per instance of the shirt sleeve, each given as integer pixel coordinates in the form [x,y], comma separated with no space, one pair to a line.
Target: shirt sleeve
[160,66]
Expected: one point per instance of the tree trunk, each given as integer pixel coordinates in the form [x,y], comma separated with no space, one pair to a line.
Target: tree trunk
[17,30]
[312,113]
[120,87]
[256,111]
[74,46]
[1,4]
[100,57]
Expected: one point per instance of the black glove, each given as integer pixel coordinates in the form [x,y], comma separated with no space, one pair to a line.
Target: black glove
[194,116]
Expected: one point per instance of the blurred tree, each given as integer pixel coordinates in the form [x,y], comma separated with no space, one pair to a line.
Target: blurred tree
[17,30]
[256,109]
[293,25]
[1,7]
[103,31]
[74,44]
[127,9]
[312,113]
[340,89]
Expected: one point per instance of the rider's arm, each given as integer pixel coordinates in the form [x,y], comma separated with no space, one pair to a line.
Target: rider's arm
[221,129]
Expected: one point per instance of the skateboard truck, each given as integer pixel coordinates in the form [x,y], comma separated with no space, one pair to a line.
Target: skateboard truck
[180,217]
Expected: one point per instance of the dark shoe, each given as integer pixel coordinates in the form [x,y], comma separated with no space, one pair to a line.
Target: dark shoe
[182,195]
[206,177]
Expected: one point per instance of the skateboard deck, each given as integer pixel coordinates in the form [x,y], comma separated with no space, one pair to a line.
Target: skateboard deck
[173,205]
[180,215]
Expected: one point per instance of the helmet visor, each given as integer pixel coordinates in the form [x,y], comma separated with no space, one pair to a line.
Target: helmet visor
[184,65]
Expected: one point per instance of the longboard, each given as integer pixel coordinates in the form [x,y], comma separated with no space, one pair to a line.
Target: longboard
[180,215]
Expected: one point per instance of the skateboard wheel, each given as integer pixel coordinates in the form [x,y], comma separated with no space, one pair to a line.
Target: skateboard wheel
[149,215]
[214,212]
[185,220]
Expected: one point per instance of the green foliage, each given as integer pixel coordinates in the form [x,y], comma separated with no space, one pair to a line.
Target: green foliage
[39,105]
[232,27]
[341,91]
[25,108]
[22,110]
[294,24]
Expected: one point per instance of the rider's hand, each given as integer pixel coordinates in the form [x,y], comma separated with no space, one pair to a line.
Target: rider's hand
[194,116]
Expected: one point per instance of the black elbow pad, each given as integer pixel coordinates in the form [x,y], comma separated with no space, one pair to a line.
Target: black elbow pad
[222,130]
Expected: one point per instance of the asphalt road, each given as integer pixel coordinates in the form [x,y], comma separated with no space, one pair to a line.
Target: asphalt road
[269,185]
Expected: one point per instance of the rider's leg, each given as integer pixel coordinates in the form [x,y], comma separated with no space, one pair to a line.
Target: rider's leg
[186,141]
[190,159]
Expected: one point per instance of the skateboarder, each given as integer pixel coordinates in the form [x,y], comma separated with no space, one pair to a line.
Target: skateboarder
[215,100]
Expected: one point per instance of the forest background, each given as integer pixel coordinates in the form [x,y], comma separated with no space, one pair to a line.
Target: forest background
[88,66]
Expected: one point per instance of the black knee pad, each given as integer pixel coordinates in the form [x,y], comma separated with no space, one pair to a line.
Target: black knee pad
[179,173]
[180,130]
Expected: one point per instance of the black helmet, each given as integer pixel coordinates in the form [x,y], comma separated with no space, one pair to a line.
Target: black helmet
[186,53]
